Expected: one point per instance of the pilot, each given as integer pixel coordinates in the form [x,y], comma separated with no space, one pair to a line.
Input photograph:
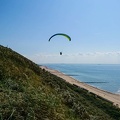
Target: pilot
[60,53]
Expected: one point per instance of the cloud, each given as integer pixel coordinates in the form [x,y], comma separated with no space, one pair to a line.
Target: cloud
[101,53]
[88,57]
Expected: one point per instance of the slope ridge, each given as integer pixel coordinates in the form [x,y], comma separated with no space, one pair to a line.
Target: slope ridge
[29,92]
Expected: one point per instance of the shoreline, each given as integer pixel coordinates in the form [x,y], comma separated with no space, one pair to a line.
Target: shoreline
[114,98]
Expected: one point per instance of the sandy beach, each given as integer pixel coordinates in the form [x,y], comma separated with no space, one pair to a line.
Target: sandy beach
[114,98]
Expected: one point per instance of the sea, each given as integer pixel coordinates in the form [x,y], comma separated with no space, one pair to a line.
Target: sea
[102,76]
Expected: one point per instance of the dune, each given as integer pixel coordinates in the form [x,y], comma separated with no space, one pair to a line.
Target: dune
[114,98]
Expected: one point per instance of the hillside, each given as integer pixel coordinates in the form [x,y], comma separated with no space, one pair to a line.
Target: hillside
[28,92]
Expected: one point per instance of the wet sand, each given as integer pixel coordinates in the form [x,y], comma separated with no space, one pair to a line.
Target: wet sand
[114,98]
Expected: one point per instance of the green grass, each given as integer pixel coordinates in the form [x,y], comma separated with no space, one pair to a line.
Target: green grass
[30,93]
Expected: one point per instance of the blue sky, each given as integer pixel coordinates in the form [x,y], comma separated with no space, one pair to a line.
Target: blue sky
[93,25]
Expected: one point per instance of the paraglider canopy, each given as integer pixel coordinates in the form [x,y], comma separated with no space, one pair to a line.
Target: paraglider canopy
[62,34]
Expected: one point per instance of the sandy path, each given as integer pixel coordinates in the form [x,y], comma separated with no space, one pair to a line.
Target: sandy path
[115,98]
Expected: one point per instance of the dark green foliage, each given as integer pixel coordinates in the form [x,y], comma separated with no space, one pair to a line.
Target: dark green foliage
[30,93]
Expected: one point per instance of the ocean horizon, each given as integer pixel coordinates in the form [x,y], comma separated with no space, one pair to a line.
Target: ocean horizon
[102,76]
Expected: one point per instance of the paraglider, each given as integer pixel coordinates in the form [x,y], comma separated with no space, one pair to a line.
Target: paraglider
[62,34]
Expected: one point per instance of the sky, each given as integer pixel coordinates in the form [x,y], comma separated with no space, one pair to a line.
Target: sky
[93,25]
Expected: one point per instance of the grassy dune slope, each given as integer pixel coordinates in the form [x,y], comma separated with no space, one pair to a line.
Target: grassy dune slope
[30,93]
